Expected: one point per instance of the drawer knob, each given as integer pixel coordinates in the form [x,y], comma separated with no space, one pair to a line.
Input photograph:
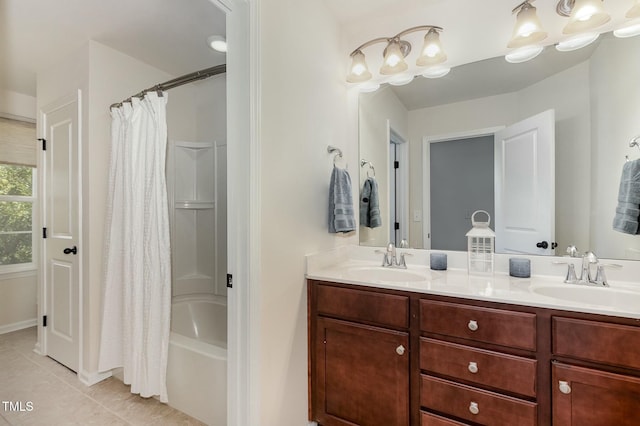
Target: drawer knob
[473,367]
[473,325]
[400,350]
[564,387]
[473,408]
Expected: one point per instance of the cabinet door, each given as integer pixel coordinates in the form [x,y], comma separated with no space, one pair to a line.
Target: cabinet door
[362,375]
[583,396]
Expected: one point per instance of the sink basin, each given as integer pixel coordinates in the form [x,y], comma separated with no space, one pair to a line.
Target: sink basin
[380,274]
[599,296]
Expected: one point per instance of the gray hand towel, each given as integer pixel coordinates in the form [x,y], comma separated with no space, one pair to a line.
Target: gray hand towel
[370,204]
[341,215]
[627,217]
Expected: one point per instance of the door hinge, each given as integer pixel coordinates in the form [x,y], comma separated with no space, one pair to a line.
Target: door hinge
[396,164]
[229,281]
[44,143]
[44,320]
[397,226]
[44,232]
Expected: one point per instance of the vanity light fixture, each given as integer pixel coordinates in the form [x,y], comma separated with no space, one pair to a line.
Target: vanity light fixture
[437,71]
[584,15]
[577,42]
[633,29]
[523,54]
[401,79]
[528,29]
[395,53]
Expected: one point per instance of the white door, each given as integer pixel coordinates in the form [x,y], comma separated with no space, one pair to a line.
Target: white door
[61,251]
[525,186]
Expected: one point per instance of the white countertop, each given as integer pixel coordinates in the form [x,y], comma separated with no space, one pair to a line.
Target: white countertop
[341,265]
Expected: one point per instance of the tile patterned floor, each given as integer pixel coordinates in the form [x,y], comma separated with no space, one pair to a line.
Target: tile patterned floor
[59,399]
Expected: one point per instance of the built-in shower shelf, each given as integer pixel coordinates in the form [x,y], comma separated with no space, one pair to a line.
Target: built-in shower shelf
[194,205]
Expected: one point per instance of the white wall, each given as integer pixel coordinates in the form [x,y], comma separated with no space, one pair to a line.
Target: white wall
[105,76]
[616,119]
[303,108]
[378,112]
[18,292]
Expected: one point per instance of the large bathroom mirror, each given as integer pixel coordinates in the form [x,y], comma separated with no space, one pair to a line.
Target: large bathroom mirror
[429,141]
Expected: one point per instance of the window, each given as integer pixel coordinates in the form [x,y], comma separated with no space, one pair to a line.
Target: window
[17,200]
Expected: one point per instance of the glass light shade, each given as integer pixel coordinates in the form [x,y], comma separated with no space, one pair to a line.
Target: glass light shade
[634,12]
[528,29]
[523,54]
[436,72]
[577,42]
[432,52]
[393,59]
[628,31]
[586,15]
[358,72]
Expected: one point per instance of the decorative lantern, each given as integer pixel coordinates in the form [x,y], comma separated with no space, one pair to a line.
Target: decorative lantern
[480,245]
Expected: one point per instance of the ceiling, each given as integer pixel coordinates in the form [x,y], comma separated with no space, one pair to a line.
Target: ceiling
[166,34]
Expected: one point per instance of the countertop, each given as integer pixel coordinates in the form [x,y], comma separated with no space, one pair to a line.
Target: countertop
[343,266]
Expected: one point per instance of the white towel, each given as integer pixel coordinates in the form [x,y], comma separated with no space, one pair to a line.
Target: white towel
[341,216]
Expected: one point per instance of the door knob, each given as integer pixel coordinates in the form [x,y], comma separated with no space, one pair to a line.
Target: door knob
[543,245]
[73,250]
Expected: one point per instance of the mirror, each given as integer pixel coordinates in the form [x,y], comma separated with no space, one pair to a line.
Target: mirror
[597,112]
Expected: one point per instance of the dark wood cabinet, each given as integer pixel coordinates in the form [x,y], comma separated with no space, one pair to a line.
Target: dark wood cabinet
[359,371]
[362,374]
[584,396]
[380,357]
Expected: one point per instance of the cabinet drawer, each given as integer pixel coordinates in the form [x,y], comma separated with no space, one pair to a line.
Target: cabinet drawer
[612,344]
[497,326]
[505,372]
[361,305]
[428,419]
[475,405]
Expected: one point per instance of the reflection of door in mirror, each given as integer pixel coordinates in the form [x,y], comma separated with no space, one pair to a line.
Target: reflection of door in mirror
[509,174]
[461,182]
[398,188]
[525,186]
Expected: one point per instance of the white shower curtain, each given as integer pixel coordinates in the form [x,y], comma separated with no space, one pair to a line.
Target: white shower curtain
[136,304]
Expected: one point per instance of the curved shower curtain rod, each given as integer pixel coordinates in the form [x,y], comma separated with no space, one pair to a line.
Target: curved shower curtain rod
[179,81]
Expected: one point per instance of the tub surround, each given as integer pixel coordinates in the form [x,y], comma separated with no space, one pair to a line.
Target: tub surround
[443,347]
[337,265]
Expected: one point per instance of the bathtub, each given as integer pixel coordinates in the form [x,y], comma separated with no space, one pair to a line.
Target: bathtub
[197,364]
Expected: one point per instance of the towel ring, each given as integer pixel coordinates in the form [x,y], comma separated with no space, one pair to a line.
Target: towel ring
[337,151]
[633,142]
[371,169]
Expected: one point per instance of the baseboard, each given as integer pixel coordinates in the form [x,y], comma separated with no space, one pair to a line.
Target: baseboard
[8,328]
[90,379]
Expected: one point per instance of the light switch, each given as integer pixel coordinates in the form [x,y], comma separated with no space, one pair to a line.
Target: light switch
[417,216]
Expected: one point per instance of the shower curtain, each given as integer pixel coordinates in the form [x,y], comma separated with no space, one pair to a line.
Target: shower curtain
[136,303]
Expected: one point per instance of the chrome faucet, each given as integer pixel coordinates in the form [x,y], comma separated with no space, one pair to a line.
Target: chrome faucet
[586,275]
[389,259]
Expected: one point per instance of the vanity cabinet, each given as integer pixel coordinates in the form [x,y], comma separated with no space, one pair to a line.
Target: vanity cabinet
[359,357]
[466,381]
[381,357]
[595,395]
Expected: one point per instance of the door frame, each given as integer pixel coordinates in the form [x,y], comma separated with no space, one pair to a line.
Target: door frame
[401,190]
[41,343]
[426,172]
